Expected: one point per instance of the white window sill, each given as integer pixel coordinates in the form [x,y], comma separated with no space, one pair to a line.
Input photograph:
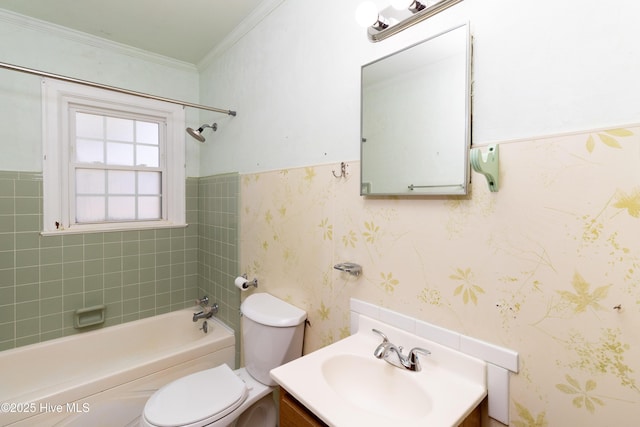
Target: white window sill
[105,228]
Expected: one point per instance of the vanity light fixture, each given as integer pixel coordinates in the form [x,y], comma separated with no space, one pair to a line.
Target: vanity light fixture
[401,15]
[412,5]
[367,16]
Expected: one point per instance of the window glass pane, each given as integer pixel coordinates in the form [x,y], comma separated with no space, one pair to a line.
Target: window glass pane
[89,126]
[149,182]
[147,133]
[149,208]
[90,181]
[119,129]
[147,156]
[121,208]
[88,151]
[122,182]
[119,154]
[89,209]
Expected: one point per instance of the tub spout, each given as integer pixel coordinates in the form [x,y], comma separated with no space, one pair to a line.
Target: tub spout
[206,312]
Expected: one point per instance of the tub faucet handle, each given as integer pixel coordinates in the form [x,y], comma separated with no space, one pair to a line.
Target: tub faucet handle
[203,301]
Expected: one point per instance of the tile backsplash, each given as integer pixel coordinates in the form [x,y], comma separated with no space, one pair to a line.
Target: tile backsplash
[218,247]
[136,274]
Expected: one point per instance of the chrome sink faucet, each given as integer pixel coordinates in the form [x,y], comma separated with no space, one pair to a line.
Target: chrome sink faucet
[207,310]
[386,349]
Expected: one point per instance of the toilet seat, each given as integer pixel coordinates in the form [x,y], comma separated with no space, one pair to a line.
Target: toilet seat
[196,400]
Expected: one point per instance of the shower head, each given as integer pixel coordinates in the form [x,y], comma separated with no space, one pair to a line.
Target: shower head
[197,133]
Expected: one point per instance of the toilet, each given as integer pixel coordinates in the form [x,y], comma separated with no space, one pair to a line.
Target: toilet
[272,335]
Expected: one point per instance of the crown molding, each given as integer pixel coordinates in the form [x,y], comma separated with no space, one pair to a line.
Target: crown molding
[48,28]
[256,16]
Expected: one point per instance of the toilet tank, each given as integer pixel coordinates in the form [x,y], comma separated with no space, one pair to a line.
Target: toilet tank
[272,334]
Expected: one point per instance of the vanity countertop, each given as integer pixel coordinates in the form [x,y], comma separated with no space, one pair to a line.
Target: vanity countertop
[345,385]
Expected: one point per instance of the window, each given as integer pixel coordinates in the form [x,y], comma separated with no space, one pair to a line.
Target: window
[111,161]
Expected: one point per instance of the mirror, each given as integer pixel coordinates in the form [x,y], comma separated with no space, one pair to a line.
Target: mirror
[415,119]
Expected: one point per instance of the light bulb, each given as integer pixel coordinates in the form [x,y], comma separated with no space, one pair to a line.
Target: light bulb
[366,14]
[412,5]
[401,4]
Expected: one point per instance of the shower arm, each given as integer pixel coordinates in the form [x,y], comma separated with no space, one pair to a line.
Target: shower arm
[111,88]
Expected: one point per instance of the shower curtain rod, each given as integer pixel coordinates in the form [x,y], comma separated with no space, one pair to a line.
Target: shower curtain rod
[111,88]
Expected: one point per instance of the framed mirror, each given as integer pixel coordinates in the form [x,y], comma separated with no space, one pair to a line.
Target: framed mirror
[415,118]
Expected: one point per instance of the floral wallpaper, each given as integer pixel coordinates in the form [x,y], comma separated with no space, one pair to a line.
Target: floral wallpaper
[548,266]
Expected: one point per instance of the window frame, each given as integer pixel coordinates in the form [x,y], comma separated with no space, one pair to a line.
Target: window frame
[59,99]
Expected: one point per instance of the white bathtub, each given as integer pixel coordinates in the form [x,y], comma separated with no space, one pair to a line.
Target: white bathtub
[104,377]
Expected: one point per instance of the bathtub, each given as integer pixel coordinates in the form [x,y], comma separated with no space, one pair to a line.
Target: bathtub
[104,377]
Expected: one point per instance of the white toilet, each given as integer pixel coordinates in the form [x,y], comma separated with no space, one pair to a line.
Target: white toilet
[272,334]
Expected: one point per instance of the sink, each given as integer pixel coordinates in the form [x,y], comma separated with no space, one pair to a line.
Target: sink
[345,385]
[374,385]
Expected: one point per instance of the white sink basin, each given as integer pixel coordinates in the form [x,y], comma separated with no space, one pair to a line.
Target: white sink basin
[345,385]
[376,386]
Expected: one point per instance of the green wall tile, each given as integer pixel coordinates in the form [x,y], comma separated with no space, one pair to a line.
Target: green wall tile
[71,303]
[27,257]
[94,251]
[51,241]
[27,188]
[112,295]
[72,253]
[49,306]
[27,205]
[94,283]
[130,236]
[112,280]
[7,313]
[28,293]
[7,241]
[94,238]
[50,323]
[72,269]
[28,223]
[7,206]
[112,237]
[7,188]
[51,255]
[92,298]
[51,289]
[112,249]
[135,273]
[131,262]
[27,275]
[7,259]
[7,223]
[112,265]
[27,327]
[7,332]
[130,248]
[73,240]
[93,267]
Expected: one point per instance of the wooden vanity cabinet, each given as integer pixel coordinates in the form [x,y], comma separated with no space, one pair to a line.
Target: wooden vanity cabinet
[474,419]
[295,414]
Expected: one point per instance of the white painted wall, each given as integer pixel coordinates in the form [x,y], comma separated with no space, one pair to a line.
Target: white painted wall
[540,67]
[57,50]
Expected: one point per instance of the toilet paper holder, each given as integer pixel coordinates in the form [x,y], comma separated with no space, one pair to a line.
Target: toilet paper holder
[349,267]
[248,283]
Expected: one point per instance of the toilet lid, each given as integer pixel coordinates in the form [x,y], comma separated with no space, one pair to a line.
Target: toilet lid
[196,399]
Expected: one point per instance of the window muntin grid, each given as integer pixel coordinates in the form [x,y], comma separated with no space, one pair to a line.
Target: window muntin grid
[117,167]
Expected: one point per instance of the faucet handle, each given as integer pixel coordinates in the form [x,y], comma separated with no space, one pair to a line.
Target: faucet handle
[415,350]
[202,302]
[413,356]
[384,337]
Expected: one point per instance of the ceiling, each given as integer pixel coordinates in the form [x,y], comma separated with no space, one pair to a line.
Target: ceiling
[186,30]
